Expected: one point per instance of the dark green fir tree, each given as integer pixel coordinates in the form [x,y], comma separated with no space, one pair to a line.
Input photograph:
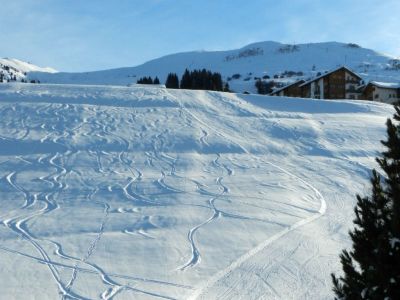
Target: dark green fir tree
[186,80]
[371,269]
[172,81]
[226,88]
[145,80]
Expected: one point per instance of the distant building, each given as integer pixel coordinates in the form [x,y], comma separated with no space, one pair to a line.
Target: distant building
[290,90]
[382,92]
[341,83]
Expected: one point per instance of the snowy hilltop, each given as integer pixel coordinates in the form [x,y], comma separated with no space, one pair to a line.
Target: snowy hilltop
[148,193]
[16,70]
[242,67]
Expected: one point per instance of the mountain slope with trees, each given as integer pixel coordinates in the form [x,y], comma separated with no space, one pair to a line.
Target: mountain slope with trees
[14,70]
[241,68]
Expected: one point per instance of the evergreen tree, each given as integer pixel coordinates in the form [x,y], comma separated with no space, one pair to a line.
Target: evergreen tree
[264,87]
[186,81]
[205,80]
[172,81]
[217,82]
[260,85]
[145,80]
[156,80]
[202,80]
[196,80]
[226,88]
[372,268]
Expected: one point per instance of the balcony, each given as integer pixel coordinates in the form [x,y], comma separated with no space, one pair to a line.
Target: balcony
[352,89]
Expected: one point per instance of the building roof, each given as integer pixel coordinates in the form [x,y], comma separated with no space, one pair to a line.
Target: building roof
[328,73]
[385,85]
[286,86]
[360,88]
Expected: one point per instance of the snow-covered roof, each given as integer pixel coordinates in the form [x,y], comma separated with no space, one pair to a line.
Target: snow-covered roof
[386,85]
[286,86]
[360,88]
[328,73]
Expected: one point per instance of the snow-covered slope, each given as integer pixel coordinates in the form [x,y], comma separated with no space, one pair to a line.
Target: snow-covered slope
[16,70]
[250,62]
[23,66]
[148,193]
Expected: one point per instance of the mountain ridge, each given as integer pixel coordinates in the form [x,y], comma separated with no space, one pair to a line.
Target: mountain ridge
[12,69]
[269,59]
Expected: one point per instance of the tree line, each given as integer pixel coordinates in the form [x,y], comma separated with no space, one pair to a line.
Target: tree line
[192,80]
[202,80]
[264,87]
[148,80]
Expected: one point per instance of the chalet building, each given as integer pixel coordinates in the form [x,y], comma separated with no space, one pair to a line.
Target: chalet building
[341,83]
[382,92]
[290,90]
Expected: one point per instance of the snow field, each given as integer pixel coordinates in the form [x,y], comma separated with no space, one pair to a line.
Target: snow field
[146,193]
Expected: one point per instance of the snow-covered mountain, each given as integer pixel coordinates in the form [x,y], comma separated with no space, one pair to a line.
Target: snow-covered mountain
[243,66]
[16,70]
[111,192]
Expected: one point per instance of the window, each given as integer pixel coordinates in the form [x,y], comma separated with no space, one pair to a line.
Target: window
[376,96]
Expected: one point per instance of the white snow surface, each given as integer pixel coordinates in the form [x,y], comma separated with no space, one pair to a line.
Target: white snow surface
[148,193]
[254,60]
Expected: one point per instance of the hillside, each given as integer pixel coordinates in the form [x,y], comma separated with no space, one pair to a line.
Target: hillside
[242,66]
[150,193]
[16,70]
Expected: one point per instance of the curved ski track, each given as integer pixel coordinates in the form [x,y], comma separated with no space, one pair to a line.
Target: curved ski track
[219,275]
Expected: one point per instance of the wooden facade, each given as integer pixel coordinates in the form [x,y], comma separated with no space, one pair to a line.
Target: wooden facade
[291,90]
[341,83]
[368,92]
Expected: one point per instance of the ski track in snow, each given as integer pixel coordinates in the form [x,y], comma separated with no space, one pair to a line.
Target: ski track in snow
[126,172]
[18,224]
[219,275]
[196,257]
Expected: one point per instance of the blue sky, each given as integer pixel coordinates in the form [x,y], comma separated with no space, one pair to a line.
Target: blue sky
[84,35]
